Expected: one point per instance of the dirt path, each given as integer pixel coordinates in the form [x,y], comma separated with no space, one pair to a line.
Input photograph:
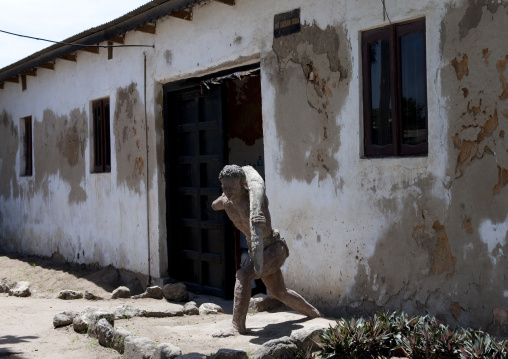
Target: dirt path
[26,324]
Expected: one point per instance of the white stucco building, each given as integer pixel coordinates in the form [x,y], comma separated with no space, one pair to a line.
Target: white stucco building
[380,126]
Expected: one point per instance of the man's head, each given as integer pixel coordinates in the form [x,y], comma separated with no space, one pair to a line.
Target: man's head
[232,171]
[233,180]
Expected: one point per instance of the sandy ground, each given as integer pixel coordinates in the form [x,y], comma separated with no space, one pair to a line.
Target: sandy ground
[26,324]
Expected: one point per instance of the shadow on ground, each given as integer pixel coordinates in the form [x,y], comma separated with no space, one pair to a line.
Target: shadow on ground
[12,339]
[108,278]
[280,330]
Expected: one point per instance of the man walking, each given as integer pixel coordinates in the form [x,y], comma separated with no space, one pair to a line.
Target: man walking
[246,204]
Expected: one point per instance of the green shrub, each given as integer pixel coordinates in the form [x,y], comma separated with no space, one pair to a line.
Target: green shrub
[396,334]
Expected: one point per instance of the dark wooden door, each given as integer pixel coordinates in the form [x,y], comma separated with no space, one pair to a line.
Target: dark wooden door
[195,153]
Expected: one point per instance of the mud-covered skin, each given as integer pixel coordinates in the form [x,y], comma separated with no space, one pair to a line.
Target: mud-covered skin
[245,202]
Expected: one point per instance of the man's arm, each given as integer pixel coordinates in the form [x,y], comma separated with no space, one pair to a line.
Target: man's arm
[218,204]
[256,198]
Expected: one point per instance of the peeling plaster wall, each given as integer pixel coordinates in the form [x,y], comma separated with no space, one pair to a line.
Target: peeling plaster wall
[9,143]
[424,234]
[421,234]
[130,143]
[311,72]
[474,84]
[65,208]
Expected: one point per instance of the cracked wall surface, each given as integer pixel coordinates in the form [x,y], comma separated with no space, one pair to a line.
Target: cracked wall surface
[312,82]
[478,162]
[421,234]
[446,254]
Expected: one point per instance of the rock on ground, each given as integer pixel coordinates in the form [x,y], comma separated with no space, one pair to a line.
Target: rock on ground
[118,340]
[128,311]
[154,292]
[164,313]
[121,292]
[93,330]
[303,338]
[64,318]
[20,289]
[176,292]
[262,303]
[210,308]
[4,286]
[190,308]
[230,354]
[104,332]
[166,351]
[138,348]
[276,348]
[192,356]
[91,296]
[69,294]
[307,337]
[81,321]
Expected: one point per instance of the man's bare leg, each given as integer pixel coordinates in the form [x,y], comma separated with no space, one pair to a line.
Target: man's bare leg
[277,288]
[242,294]
[273,258]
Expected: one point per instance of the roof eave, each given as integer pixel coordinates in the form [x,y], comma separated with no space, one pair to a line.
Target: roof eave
[130,21]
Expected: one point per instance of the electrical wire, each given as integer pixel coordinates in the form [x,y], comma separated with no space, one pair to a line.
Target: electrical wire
[385,12]
[72,44]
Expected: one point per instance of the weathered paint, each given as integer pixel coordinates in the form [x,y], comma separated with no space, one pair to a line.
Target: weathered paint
[313,71]
[64,207]
[421,234]
[61,152]
[130,143]
[9,143]
[399,233]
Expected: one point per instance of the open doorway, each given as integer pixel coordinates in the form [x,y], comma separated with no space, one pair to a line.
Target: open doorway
[245,144]
[209,122]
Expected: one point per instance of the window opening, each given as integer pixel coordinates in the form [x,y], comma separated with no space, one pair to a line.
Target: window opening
[26,169]
[102,136]
[394,90]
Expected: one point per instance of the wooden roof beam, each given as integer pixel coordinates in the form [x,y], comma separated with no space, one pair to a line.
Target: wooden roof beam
[32,72]
[148,28]
[184,14]
[13,79]
[227,2]
[118,39]
[47,65]
[69,57]
[91,49]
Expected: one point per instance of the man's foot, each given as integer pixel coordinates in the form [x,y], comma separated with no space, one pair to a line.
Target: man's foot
[230,332]
[316,314]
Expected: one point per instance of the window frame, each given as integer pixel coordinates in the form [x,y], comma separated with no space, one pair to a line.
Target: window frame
[393,33]
[27,147]
[101,136]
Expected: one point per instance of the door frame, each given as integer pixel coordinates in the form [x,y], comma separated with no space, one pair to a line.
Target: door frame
[170,161]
